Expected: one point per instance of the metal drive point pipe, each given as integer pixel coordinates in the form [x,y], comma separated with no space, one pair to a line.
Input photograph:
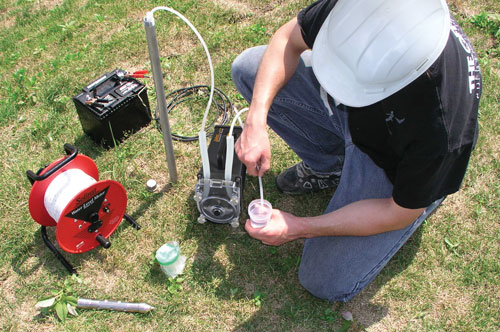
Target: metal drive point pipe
[114,305]
[154,56]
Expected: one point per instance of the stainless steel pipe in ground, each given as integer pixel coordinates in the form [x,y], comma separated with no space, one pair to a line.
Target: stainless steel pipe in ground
[154,56]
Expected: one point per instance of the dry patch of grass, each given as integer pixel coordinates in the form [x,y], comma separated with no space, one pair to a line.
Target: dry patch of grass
[47,4]
[7,22]
[234,5]
[465,7]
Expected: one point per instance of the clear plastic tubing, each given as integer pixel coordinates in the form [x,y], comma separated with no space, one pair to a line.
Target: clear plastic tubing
[261,190]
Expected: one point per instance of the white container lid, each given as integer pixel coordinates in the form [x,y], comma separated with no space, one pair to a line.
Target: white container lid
[168,253]
[151,185]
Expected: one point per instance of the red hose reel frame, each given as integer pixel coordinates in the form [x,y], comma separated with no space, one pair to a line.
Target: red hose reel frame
[90,217]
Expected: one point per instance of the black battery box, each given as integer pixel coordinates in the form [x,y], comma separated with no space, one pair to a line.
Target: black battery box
[112,107]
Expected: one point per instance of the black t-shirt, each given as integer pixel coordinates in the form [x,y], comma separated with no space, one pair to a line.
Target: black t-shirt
[423,135]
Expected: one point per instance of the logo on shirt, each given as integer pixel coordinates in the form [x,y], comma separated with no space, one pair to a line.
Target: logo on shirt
[391,117]
[472,63]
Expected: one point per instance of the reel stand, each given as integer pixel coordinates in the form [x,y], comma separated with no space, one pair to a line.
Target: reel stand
[86,219]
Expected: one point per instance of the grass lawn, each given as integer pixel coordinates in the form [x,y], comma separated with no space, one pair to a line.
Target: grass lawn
[446,278]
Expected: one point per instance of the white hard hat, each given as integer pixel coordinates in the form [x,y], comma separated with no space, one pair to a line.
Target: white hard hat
[366,50]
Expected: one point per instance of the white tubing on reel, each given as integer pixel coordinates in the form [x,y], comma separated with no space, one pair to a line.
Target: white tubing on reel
[230,146]
[202,135]
[63,189]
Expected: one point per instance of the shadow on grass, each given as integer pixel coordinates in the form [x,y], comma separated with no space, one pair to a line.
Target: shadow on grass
[88,147]
[368,313]
[45,257]
[267,276]
[49,261]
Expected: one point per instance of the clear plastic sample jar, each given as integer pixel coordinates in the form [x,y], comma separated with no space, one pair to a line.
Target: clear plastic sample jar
[260,212]
[171,261]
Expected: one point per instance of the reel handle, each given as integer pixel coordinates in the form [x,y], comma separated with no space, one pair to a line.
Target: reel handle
[103,241]
[70,150]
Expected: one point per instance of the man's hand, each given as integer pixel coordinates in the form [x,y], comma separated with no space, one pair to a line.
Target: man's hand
[283,227]
[253,149]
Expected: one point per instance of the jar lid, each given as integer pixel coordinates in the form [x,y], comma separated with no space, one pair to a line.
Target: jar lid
[168,253]
[151,185]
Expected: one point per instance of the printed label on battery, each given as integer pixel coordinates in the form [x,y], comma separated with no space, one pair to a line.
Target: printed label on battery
[127,88]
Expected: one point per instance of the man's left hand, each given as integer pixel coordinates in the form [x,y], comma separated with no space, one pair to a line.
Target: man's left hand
[281,228]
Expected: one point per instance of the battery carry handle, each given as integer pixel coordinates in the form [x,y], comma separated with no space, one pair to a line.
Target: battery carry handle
[71,151]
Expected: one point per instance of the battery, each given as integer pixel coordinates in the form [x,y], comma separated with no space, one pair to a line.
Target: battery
[113,107]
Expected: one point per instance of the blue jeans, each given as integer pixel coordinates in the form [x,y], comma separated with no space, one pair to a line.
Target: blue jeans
[335,268]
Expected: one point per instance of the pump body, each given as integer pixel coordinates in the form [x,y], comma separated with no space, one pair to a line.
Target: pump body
[219,200]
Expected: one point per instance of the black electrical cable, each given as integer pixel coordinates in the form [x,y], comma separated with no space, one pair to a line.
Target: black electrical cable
[219,100]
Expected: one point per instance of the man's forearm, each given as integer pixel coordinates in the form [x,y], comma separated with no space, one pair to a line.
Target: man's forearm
[362,218]
[277,66]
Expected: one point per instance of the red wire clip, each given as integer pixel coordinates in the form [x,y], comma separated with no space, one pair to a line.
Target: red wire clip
[138,74]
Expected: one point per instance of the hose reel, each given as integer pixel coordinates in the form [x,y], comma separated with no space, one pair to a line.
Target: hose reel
[67,194]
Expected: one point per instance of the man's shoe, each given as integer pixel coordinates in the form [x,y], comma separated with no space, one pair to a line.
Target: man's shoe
[301,179]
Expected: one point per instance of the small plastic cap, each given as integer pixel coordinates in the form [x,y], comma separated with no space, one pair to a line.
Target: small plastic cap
[168,253]
[151,185]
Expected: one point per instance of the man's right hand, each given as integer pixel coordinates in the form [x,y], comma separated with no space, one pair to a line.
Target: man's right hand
[253,149]
[277,66]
